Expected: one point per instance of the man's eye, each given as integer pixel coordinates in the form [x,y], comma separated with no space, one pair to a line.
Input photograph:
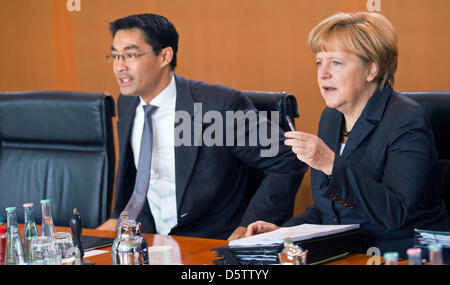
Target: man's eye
[116,56]
[131,56]
[318,63]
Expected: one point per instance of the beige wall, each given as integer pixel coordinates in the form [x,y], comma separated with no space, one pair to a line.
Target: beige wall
[245,44]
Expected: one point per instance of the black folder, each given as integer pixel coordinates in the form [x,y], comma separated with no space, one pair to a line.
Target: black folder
[93,242]
[320,250]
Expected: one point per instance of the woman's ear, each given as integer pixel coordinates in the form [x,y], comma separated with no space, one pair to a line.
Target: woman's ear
[372,72]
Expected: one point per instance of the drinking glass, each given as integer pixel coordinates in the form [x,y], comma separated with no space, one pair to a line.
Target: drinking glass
[44,251]
[65,243]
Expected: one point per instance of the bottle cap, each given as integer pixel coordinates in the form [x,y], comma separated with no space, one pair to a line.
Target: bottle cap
[414,251]
[3,230]
[390,255]
[434,246]
[27,205]
[45,201]
[9,209]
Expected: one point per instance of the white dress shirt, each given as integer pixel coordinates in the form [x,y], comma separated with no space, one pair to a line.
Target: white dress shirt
[341,149]
[161,194]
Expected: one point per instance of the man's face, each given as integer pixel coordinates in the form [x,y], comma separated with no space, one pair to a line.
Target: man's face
[139,76]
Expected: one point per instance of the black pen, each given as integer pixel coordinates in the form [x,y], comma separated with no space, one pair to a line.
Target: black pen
[290,123]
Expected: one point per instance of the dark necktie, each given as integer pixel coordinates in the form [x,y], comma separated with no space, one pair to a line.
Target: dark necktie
[139,196]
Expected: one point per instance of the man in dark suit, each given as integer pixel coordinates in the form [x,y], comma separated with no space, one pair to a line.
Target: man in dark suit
[192,189]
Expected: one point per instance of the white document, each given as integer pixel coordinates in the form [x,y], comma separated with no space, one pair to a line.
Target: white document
[295,233]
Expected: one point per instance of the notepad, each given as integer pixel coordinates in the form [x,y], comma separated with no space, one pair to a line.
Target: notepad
[295,233]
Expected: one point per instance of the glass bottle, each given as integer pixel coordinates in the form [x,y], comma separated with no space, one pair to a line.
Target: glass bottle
[391,258]
[3,231]
[30,231]
[292,254]
[47,227]
[14,251]
[414,256]
[435,251]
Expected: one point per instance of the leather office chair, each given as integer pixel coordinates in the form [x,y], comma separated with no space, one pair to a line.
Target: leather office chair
[437,107]
[58,146]
[285,104]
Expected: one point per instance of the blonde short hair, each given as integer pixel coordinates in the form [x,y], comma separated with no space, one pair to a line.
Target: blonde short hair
[368,35]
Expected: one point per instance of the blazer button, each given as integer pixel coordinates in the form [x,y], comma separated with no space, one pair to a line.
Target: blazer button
[332,197]
[336,219]
[351,206]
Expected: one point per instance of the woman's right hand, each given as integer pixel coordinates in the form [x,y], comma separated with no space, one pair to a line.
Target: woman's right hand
[260,227]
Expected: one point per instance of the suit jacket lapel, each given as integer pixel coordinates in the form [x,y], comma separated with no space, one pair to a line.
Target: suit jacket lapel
[330,134]
[185,156]
[369,119]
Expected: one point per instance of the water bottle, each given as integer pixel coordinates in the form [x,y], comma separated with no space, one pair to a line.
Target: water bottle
[30,230]
[435,251]
[391,258]
[14,254]
[292,254]
[414,256]
[47,227]
[3,231]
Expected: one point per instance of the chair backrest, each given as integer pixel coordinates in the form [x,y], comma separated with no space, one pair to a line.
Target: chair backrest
[437,107]
[59,146]
[283,102]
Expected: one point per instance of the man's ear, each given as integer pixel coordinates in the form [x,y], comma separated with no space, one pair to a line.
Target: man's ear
[166,56]
[372,72]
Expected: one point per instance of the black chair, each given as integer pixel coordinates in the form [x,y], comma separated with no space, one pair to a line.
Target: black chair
[58,146]
[437,107]
[285,104]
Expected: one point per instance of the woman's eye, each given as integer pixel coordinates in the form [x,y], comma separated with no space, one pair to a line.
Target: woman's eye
[335,62]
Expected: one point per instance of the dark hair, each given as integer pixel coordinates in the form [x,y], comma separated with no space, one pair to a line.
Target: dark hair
[159,31]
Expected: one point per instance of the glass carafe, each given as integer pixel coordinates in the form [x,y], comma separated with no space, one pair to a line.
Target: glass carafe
[129,247]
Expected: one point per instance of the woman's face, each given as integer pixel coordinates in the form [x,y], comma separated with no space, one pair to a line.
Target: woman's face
[345,80]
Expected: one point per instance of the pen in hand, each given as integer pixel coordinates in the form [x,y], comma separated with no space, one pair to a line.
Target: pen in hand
[290,123]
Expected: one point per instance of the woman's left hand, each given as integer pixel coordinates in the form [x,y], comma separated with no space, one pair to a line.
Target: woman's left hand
[311,150]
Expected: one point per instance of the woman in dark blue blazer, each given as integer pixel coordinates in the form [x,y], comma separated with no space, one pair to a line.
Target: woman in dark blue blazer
[374,160]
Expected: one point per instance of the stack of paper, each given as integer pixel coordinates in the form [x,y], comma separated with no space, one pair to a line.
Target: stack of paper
[424,237]
[295,233]
[323,242]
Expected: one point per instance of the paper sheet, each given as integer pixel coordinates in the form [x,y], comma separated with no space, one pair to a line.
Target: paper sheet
[296,233]
[94,252]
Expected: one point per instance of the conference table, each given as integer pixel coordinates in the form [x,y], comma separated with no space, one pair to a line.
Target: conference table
[186,250]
